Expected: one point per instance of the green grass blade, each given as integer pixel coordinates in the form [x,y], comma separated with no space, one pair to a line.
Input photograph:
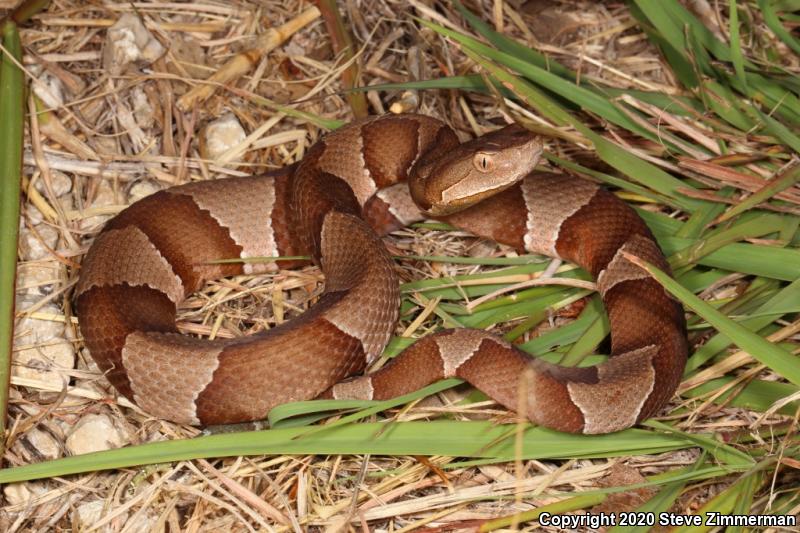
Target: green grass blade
[696,225]
[723,503]
[12,109]
[747,489]
[672,30]
[756,259]
[28,9]
[512,47]
[471,82]
[611,180]
[765,352]
[684,19]
[661,502]
[680,65]
[613,154]
[756,395]
[756,226]
[771,188]
[577,95]
[724,453]
[776,99]
[466,439]
[368,407]
[725,103]
[322,122]
[777,129]
[581,501]
[774,23]
[737,58]
[568,333]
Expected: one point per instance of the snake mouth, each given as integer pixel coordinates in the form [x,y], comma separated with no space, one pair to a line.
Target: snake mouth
[454,200]
[464,202]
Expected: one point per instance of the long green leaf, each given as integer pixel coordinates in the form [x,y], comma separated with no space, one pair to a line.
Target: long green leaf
[737,58]
[581,97]
[773,22]
[512,47]
[777,305]
[771,355]
[12,109]
[659,503]
[780,183]
[466,439]
[613,154]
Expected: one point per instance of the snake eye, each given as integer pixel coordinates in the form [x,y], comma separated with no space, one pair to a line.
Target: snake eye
[483,162]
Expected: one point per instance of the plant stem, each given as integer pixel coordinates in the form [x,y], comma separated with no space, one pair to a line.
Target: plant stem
[12,101]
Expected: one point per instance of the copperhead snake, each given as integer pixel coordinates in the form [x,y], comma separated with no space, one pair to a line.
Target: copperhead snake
[348,190]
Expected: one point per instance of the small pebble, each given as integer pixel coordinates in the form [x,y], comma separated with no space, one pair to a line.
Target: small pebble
[221,135]
[37,245]
[59,182]
[104,197]
[141,523]
[36,217]
[142,110]
[142,189]
[48,88]
[94,433]
[43,442]
[38,277]
[88,514]
[30,330]
[128,41]
[21,493]
[48,363]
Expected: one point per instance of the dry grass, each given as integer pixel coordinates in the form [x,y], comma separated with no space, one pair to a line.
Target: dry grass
[112,150]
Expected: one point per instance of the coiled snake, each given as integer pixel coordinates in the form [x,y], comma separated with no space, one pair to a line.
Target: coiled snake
[349,189]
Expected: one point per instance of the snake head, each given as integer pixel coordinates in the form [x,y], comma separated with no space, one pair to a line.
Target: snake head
[444,183]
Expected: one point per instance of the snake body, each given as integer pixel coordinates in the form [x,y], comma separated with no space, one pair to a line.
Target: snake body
[348,190]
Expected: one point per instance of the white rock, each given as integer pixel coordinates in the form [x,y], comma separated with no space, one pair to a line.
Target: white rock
[105,196]
[293,48]
[38,277]
[33,214]
[23,303]
[496,473]
[60,183]
[190,54]
[88,514]
[142,110]
[47,87]
[36,217]
[29,330]
[35,246]
[142,523]
[221,135]
[94,433]
[48,363]
[21,493]
[143,188]
[106,146]
[16,493]
[45,444]
[128,41]
[50,90]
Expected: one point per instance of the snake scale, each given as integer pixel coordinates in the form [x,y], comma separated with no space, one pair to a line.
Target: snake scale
[357,183]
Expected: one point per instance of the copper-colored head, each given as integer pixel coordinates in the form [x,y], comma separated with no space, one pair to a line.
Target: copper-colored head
[475,170]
